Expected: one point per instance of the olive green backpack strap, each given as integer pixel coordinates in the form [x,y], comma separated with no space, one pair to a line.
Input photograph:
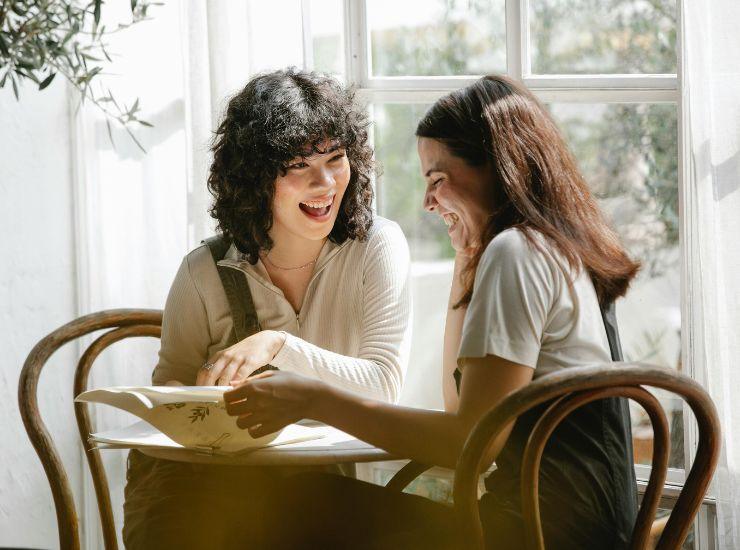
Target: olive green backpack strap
[237,291]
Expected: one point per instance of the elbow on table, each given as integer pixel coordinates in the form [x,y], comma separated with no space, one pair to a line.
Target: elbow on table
[393,386]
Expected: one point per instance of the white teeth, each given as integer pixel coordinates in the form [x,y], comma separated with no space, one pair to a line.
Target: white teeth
[450,219]
[319,204]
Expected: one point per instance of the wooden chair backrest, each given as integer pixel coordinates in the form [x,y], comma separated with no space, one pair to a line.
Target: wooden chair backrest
[124,323]
[569,389]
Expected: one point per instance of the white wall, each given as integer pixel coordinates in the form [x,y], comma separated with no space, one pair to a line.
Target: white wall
[37,294]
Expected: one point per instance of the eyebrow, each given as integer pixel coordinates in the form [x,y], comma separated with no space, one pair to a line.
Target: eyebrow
[434,169]
[333,148]
[312,152]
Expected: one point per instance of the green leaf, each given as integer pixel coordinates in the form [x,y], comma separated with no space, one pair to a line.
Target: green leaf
[145,123]
[18,9]
[136,141]
[110,132]
[15,86]
[47,81]
[27,74]
[113,99]
[96,13]
[4,47]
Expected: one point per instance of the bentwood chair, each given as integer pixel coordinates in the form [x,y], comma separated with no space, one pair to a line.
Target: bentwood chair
[120,324]
[568,390]
[123,323]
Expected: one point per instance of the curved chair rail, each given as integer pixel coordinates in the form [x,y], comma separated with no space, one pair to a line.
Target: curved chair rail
[129,322]
[592,383]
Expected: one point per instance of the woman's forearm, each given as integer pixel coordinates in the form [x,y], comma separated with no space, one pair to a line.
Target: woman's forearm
[430,437]
[453,334]
[377,373]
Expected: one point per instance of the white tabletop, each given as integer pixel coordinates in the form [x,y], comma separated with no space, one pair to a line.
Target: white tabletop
[334,448]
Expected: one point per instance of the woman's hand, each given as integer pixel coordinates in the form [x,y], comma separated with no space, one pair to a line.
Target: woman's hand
[242,359]
[271,400]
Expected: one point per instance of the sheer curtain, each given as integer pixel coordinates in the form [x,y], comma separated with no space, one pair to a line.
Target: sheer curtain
[712,103]
[130,211]
[138,213]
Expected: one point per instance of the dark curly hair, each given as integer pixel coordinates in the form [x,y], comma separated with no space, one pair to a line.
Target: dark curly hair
[277,117]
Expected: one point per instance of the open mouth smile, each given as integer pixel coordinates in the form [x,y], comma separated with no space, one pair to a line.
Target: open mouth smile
[317,209]
[450,220]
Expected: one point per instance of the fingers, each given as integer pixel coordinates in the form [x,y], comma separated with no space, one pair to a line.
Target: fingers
[264,428]
[211,374]
[249,421]
[214,369]
[229,372]
[210,368]
[245,406]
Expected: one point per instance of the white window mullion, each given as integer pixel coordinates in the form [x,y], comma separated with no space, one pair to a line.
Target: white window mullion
[604,82]
[307,35]
[431,95]
[663,85]
[517,39]
[604,96]
[356,41]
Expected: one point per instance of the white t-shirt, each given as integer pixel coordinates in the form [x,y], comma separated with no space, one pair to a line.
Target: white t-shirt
[524,310]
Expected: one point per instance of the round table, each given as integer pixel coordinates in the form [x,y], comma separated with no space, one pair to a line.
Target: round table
[335,447]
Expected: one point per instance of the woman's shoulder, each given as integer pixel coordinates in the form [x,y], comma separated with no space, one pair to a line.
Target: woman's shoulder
[198,258]
[384,244]
[511,244]
[383,233]
[199,267]
[518,250]
[384,227]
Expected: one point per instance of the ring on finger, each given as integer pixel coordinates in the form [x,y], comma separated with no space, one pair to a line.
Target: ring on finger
[208,366]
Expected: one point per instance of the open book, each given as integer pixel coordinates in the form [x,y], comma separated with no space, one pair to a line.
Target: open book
[183,417]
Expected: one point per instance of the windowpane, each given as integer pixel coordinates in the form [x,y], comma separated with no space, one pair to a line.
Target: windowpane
[629,155]
[275,35]
[436,37]
[400,191]
[602,36]
[327,36]
[400,185]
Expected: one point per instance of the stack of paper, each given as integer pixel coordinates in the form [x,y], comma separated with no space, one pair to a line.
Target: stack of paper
[187,417]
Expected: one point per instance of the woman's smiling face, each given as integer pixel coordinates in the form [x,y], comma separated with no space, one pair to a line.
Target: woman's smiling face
[309,193]
[458,192]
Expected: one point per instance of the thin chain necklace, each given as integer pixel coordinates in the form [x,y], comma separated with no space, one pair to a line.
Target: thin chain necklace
[304,266]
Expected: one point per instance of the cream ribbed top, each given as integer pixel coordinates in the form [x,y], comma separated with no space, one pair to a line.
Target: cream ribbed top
[353,330]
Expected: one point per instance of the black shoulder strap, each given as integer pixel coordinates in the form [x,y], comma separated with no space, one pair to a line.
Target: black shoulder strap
[609,316]
[237,291]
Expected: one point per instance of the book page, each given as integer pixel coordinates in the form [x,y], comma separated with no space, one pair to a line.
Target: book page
[192,416]
[143,435]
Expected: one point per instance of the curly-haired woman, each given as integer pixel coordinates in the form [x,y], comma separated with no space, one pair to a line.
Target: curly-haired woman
[328,280]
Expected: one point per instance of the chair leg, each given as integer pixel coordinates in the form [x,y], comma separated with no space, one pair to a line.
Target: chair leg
[406,475]
[656,530]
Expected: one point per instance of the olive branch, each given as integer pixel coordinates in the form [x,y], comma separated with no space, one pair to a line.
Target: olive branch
[42,38]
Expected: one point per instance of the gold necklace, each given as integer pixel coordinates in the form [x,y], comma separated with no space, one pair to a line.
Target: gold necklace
[304,266]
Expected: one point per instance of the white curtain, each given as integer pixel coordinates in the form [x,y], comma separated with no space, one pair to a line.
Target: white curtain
[137,214]
[131,211]
[712,100]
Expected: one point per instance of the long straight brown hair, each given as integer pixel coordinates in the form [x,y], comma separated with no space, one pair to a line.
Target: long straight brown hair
[536,184]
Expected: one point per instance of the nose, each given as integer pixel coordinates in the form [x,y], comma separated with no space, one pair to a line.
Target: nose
[430,202]
[323,177]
